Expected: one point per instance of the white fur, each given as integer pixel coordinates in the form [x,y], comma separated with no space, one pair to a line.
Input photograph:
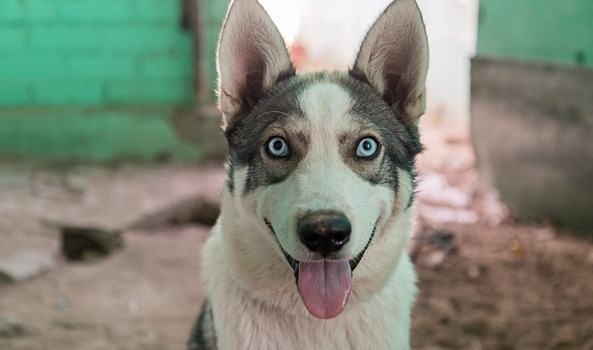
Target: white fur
[250,285]
[323,181]
[257,305]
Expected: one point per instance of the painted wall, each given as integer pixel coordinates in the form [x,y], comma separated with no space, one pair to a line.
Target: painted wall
[92,52]
[451,26]
[213,12]
[75,75]
[548,31]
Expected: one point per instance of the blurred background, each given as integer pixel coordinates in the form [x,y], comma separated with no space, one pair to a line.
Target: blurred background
[111,161]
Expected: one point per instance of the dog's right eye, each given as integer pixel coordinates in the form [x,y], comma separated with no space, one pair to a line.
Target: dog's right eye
[277,147]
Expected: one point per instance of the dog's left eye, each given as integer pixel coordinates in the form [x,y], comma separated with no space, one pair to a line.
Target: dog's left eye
[368,148]
[277,147]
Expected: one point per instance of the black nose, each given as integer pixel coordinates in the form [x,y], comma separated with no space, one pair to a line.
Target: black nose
[324,232]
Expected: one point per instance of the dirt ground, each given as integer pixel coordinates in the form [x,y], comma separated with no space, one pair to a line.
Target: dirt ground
[487,280]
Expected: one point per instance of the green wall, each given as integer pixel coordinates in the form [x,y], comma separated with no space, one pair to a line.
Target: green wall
[549,31]
[93,79]
[90,52]
[213,15]
[94,134]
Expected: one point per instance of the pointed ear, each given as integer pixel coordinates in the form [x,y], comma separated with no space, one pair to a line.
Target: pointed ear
[251,58]
[393,58]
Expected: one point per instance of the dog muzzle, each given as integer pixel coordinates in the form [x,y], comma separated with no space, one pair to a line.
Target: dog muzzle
[324,285]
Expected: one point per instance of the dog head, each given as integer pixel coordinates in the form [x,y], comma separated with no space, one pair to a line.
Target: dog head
[323,161]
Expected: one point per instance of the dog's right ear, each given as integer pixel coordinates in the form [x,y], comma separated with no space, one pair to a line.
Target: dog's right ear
[251,58]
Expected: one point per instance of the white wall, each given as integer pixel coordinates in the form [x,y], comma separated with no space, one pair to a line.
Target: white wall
[451,26]
[331,32]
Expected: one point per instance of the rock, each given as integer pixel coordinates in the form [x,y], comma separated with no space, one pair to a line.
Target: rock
[433,188]
[432,248]
[24,265]
[89,243]
[434,259]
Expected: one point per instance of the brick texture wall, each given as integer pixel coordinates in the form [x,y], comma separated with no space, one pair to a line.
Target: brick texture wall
[93,52]
[213,12]
[545,31]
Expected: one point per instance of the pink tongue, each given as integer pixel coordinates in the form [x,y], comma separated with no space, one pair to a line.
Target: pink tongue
[325,286]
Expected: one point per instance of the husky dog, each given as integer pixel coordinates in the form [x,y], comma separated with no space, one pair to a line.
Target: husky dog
[309,250]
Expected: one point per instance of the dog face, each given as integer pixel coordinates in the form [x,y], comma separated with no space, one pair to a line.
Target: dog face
[324,160]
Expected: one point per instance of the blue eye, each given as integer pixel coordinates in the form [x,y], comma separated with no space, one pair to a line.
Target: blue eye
[367,148]
[277,147]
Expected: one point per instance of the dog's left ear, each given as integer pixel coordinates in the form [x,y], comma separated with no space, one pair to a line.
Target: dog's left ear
[393,58]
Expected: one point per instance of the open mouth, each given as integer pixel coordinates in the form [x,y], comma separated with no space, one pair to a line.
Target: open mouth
[324,285]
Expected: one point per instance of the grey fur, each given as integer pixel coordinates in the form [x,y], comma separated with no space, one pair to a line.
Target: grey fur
[274,115]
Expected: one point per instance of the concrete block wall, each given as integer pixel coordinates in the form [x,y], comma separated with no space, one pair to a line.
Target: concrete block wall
[93,52]
[213,12]
[541,31]
[532,87]
[95,80]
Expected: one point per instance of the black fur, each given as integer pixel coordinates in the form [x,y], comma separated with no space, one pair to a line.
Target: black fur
[203,334]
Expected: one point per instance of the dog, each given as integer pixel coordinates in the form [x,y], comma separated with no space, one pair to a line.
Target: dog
[309,249]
